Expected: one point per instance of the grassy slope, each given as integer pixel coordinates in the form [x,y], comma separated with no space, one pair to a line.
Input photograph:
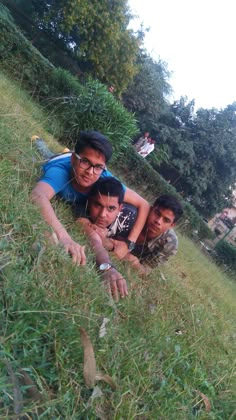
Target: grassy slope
[44,301]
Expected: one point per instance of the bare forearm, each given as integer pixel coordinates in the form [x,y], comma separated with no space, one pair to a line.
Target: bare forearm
[135,263]
[95,239]
[41,196]
[49,215]
[140,221]
[143,208]
[101,254]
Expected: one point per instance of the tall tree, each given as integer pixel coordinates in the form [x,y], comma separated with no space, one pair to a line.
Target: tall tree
[202,148]
[202,153]
[214,137]
[146,95]
[95,32]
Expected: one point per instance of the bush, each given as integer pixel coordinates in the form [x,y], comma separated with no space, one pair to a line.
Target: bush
[203,230]
[19,58]
[89,106]
[226,254]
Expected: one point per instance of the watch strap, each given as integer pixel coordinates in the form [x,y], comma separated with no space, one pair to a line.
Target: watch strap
[131,244]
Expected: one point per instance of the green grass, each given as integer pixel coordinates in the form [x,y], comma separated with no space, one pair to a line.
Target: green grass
[45,300]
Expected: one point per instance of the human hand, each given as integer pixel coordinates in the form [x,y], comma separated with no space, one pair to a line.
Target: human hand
[89,227]
[120,249]
[75,250]
[102,232]
[143,270]
[109,244]
[115,283]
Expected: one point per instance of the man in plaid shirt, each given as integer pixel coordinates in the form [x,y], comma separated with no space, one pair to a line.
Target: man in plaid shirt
[157,240]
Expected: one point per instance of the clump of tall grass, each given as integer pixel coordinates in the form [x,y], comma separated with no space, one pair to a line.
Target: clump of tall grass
[89,106]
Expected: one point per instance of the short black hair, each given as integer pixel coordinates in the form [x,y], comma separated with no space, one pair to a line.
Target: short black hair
[109,186]
[96,141]
[171,203]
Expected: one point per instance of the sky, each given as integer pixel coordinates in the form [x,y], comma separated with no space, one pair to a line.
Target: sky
[197,39]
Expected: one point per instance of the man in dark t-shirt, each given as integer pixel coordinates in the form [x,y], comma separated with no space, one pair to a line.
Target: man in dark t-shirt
[157,240]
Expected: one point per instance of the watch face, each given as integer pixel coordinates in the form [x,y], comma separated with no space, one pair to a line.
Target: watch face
[131,245]
[104,267]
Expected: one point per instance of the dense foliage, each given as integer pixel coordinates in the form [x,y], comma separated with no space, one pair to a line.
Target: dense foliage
[146,94]
[226,254]
[202,148]
[92,36]
[74,105]
[89,106]
[19,58]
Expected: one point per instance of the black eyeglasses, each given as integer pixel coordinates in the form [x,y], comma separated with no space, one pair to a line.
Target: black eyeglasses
[86,164]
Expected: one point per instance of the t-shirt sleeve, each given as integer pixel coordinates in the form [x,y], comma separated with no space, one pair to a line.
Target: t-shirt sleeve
[57,177]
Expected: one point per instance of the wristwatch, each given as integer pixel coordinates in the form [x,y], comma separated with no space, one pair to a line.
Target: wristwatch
[105,267]
[131,244]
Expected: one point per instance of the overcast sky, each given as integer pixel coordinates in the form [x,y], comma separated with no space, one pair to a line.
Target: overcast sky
[197,38]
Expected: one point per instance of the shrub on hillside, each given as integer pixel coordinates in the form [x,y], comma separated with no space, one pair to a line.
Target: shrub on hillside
[19,58]
[226,254]
[89,106]
[204,232]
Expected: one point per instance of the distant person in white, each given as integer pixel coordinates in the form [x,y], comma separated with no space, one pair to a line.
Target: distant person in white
[141,141]
[147,148]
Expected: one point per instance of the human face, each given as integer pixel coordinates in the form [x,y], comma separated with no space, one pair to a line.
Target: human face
[103,209]
[84,178]
[159,221]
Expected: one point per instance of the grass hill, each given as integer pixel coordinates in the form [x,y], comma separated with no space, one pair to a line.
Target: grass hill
[169,347]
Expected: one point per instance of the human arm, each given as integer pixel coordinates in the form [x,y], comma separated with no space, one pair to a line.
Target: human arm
[143,270]
[88,226]
[115,281]
[131,197]
[41,196]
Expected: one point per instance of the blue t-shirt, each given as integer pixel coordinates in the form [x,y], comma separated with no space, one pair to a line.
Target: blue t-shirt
[57,173]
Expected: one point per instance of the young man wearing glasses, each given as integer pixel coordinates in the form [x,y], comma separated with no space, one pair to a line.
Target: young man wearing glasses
[71,176]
